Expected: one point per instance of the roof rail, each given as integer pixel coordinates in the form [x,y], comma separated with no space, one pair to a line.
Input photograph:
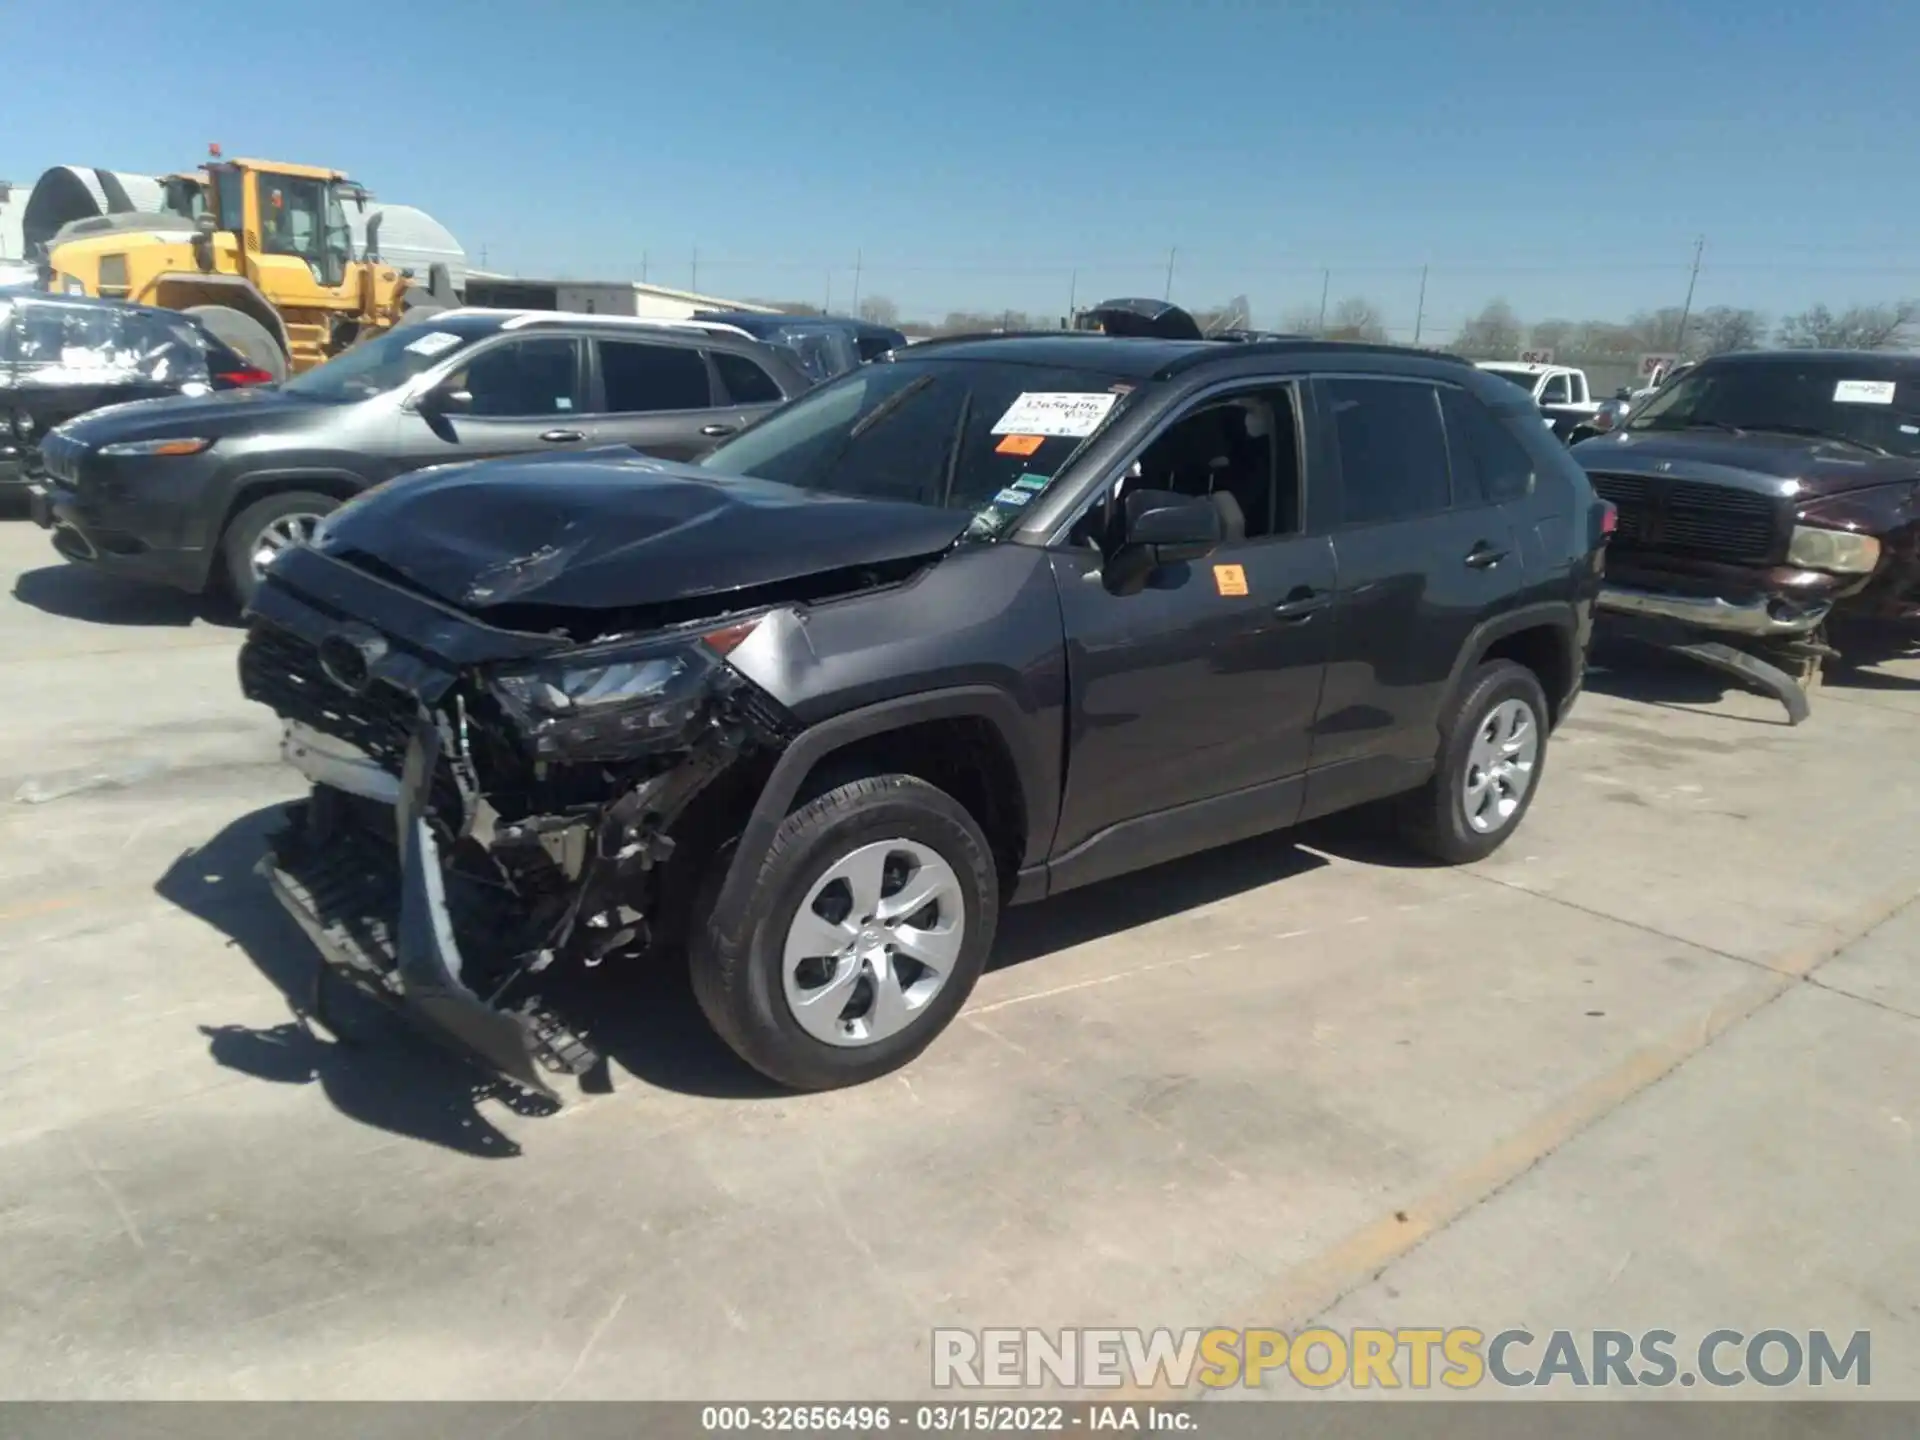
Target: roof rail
[526,318]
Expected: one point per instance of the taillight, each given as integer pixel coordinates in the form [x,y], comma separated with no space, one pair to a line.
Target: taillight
[246,375]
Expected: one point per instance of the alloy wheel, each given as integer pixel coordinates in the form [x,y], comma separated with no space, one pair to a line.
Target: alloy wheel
[874,940]
[1500,765]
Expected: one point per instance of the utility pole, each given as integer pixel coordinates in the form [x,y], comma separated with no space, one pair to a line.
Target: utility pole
[1420,312]
[827,308]
[694,283]
[1073,293]
[643,267]
[483,255]
[856,284]
[1680,339]
[1326,280]
[1169,293]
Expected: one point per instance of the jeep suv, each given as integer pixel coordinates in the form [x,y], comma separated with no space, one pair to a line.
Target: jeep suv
[195,493]
[964,628]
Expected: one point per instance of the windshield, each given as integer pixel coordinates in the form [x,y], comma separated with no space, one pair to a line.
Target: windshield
[1818,398]
[824,351]
[1525,379]
[383,363]
[968,435]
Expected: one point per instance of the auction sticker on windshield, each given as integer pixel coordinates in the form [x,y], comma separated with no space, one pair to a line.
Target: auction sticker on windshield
[1020,444]
[1863,392]
[1044,412]
[434,343]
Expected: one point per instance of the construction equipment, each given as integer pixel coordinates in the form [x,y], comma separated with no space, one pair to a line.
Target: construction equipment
[260,251]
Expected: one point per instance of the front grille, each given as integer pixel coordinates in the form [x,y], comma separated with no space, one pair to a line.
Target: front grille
[283,671]
[1692,518]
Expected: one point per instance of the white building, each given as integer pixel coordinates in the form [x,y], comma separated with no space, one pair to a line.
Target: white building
[596,297]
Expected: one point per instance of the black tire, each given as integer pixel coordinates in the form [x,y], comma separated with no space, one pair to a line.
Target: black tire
[246,533]
[1433,819]
[736,959]
[239,331]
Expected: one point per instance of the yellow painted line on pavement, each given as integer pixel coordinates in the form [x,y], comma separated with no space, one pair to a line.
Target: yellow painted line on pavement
[39,907]
[1312,1287]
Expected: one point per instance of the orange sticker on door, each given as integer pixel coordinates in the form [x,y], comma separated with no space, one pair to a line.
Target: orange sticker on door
[1019,444]
[1230,579]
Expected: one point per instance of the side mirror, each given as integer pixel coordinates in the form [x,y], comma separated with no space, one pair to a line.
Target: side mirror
[1625,392]
[1160,528]
[438,402]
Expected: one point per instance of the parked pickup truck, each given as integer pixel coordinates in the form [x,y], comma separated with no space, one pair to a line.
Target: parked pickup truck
[1759,494]
[1559,390]
[962,628]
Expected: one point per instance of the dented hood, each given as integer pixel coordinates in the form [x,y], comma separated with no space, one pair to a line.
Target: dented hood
[613,530]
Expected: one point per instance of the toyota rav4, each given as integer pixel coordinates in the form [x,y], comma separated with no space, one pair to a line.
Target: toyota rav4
[964,628]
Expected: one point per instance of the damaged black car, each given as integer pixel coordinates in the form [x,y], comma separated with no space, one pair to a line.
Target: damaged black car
[1761,498]
[966,627]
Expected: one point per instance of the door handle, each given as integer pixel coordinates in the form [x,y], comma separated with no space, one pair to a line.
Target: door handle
[1484,557]
[718,430]
[557,437]
[1302,605]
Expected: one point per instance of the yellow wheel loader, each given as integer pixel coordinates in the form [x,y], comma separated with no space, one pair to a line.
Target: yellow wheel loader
[260,252]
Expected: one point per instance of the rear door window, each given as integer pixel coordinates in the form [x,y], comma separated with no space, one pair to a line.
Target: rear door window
[640,378]
[1489,465]
[1393,449]
[1555,391]
[746,383]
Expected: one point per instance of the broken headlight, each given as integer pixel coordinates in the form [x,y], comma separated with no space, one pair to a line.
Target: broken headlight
[605,706]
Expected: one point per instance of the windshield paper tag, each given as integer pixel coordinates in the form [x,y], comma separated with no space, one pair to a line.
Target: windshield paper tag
[435,343]
[1863,392]
[1037,412]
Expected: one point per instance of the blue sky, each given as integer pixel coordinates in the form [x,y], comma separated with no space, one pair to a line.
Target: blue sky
[1564,156]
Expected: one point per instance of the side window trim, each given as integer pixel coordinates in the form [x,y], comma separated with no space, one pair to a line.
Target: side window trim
[1335,521]
[714,388]
[1110,474]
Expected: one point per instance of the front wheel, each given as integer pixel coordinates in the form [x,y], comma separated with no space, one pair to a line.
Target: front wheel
[266,528]
[864,932]
[1493,749]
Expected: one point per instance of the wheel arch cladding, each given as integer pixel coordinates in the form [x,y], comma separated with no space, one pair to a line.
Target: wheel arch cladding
[336,484]
[1546,650]
[964,741]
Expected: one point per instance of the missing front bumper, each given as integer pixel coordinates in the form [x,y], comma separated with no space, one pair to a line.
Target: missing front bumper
[377,912]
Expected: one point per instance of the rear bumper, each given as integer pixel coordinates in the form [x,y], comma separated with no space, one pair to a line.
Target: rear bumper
[1760,618]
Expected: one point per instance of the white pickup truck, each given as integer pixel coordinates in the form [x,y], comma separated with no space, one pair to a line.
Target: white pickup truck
[1560,391]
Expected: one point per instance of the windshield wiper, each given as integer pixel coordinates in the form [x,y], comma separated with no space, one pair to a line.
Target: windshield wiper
[1816,433]
[887,407]
[953,450]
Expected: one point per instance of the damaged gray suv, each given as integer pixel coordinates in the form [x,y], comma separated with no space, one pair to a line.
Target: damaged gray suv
[960,629]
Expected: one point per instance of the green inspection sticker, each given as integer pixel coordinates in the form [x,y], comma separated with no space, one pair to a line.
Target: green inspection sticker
[1032,482]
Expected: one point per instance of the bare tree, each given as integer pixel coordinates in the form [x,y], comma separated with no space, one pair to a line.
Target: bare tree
[1552,335]
[879,310]
[1301,320]
[1724,329]
[1234,315]
[1656,330]
[1863,327]
[1493,334]
[1356,319]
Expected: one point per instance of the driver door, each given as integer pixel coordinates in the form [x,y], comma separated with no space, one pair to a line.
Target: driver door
[1192,702]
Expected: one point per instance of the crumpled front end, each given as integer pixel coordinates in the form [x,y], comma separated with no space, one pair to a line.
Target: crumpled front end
[492,809]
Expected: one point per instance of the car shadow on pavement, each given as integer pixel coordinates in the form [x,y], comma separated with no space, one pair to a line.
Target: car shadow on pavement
[1032,932]
[74,593]
[1649,675]
[373,1069]
[378,1070]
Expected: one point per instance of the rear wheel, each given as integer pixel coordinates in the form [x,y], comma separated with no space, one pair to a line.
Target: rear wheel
[245,334]
[1493,748]
[862,936]
[266,528]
